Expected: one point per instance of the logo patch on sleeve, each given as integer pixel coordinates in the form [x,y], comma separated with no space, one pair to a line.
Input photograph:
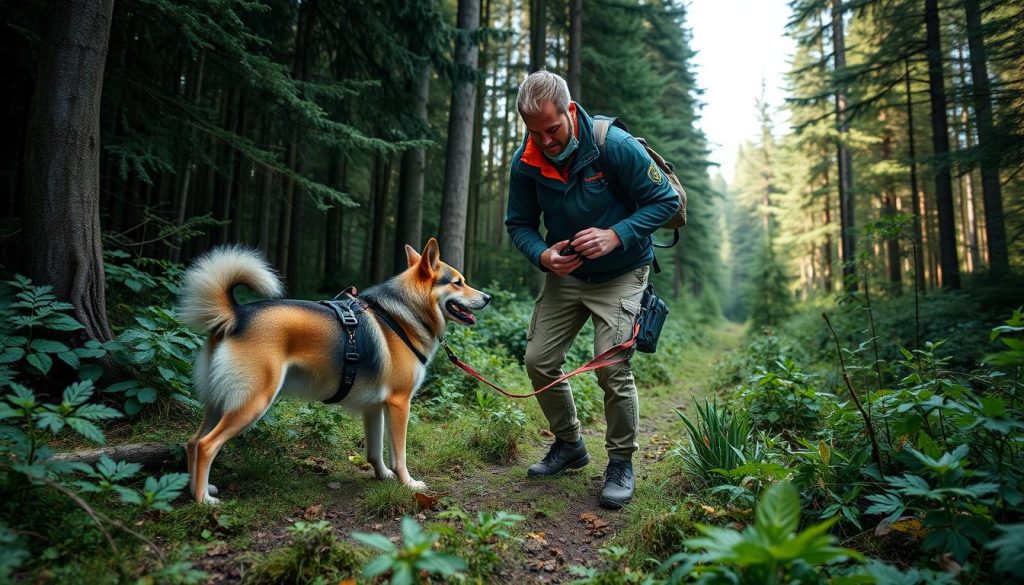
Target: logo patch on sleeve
[654,174]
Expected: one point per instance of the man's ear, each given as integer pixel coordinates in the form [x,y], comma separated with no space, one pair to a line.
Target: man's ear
[430,261]
[411,255]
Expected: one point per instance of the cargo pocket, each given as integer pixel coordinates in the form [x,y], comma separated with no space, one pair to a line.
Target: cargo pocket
[628,310]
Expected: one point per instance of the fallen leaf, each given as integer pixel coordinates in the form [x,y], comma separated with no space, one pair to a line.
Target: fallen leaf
[347,582]
[535,535]
[426,502]
[313,512]
[546,433]
[948,564]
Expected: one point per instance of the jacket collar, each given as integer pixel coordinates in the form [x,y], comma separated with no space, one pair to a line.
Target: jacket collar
[585,154]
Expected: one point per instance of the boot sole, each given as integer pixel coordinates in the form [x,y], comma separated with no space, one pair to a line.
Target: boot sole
[581,462]
[610,504]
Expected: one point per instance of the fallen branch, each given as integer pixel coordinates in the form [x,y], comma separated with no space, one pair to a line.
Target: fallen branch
[149,455]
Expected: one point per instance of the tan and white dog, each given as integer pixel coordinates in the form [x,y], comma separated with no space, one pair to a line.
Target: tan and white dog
[258,350]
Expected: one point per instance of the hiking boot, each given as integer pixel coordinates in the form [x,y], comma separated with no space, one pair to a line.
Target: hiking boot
[618,484]
[562,455]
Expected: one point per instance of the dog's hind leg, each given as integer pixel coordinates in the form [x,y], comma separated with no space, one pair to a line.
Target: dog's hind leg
[228,427]
[373,427]
[398,417]
[210,419]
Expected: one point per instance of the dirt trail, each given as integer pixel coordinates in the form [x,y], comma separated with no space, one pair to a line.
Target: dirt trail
[563,524]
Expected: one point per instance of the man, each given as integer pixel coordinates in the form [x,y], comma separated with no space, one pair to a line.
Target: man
[599,212]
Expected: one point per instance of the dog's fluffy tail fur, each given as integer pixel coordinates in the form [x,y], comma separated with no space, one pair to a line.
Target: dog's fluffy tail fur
[207,302]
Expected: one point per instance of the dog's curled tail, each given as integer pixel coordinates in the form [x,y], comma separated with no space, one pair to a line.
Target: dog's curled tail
[207,302]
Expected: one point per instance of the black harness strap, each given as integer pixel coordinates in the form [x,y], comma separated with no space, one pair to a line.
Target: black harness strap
[350,364]
[394,326]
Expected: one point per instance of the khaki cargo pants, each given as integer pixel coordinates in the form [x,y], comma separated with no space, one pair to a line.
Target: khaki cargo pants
[564,305]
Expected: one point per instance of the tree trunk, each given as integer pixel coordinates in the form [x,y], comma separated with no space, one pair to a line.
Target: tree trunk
[892,245]
[940,140]
[967,216]
[63,247]
[413,170]
[846,207]
[460,138]
[148,455]
[992,194]
[378,228]
[186,176]
[915,194]
[575,48]
[538,34]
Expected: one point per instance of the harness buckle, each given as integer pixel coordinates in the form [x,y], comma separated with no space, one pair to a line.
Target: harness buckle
[349,320]
[351,357]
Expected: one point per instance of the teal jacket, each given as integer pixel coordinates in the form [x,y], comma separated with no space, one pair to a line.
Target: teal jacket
[584,198]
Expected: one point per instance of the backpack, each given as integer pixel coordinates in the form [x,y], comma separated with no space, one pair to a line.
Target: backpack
[678,219]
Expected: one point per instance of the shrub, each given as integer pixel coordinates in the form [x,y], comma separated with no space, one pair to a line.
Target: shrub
[496,433]
[481,539]
[314,556]
[415,555]
[717,442]
[769,551]
[781,398]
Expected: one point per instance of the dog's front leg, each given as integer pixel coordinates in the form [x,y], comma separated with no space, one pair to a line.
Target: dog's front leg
[373,427]
[398,417]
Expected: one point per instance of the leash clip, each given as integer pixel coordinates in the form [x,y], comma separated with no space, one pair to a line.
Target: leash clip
[448,350]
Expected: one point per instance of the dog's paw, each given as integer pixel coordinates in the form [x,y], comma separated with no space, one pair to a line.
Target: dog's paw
[210,500]
[385,474]
[211,489]
[416,485]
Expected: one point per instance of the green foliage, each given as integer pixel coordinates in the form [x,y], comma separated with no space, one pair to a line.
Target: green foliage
[481,539]
[26,428]
[138,281]
[617,572]
[770,551]
[782,398]
[313,557]
[954,506]
[30,318]
[496,432]
[160,350]
[416,554]
[717,444]
[387,499]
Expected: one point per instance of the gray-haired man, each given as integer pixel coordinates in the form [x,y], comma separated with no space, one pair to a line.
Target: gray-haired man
[597,254]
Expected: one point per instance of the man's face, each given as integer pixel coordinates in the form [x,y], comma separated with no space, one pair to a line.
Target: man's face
[549,129]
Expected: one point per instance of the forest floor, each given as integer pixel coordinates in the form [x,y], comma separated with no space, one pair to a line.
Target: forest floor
[563,524]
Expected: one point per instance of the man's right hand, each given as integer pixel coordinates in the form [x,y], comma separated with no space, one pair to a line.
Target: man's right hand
[555,262]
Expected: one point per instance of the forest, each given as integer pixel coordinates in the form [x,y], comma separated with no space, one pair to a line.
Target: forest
[836,397]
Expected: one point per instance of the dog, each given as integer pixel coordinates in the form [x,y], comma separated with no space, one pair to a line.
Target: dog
[258,350]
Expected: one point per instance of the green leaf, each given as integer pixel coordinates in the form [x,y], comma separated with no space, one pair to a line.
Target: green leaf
[146,395]
[97,412]
[51,421]
[166,373]
[402,575]
[128,495]
[78,392]
[49,346]
[11,355]
[41,362]
[62,322]
[378,566]
[122,386]
[1009,549]
[86,429]
[778,512]
[160,492]
[70,358]
[441,564]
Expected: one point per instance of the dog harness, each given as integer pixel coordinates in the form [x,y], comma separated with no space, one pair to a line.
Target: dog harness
[345,310]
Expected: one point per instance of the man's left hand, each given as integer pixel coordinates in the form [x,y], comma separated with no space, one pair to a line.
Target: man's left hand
[593,243]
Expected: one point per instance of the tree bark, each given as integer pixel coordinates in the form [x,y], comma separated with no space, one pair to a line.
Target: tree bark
[460,137]
[538,34]
[413,171]
[63,247]
[846,206]
[940,140]
[575,48]
[378,228]
[915,194]
[149,455]
[992,194]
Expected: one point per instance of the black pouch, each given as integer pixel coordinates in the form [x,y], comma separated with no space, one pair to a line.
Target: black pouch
[653,312]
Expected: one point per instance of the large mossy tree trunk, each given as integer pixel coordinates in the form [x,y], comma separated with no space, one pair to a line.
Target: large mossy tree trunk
[62,236]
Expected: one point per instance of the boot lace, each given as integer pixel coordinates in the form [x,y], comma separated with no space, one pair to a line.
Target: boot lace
[616,473]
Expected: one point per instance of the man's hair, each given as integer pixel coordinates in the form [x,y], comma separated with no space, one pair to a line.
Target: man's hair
[542,87]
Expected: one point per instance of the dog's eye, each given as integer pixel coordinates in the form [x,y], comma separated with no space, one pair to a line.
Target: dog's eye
[457,283]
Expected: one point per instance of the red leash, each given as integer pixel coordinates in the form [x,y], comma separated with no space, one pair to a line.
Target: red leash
[597,363]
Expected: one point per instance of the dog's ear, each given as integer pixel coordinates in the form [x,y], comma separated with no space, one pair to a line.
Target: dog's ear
[412,255]
[430,261]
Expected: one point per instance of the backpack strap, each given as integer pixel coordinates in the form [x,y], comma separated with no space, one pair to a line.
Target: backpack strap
[601,126]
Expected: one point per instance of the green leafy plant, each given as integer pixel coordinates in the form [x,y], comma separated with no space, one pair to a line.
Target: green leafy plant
[954,508]
[782,398]
[481,539]
[718,442]
[314,556]
[29,317]
[416,553]
[616,572]
[770,551]
[497,433]
[160,350]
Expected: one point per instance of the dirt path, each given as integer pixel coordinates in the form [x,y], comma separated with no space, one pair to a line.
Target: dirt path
[563,524]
